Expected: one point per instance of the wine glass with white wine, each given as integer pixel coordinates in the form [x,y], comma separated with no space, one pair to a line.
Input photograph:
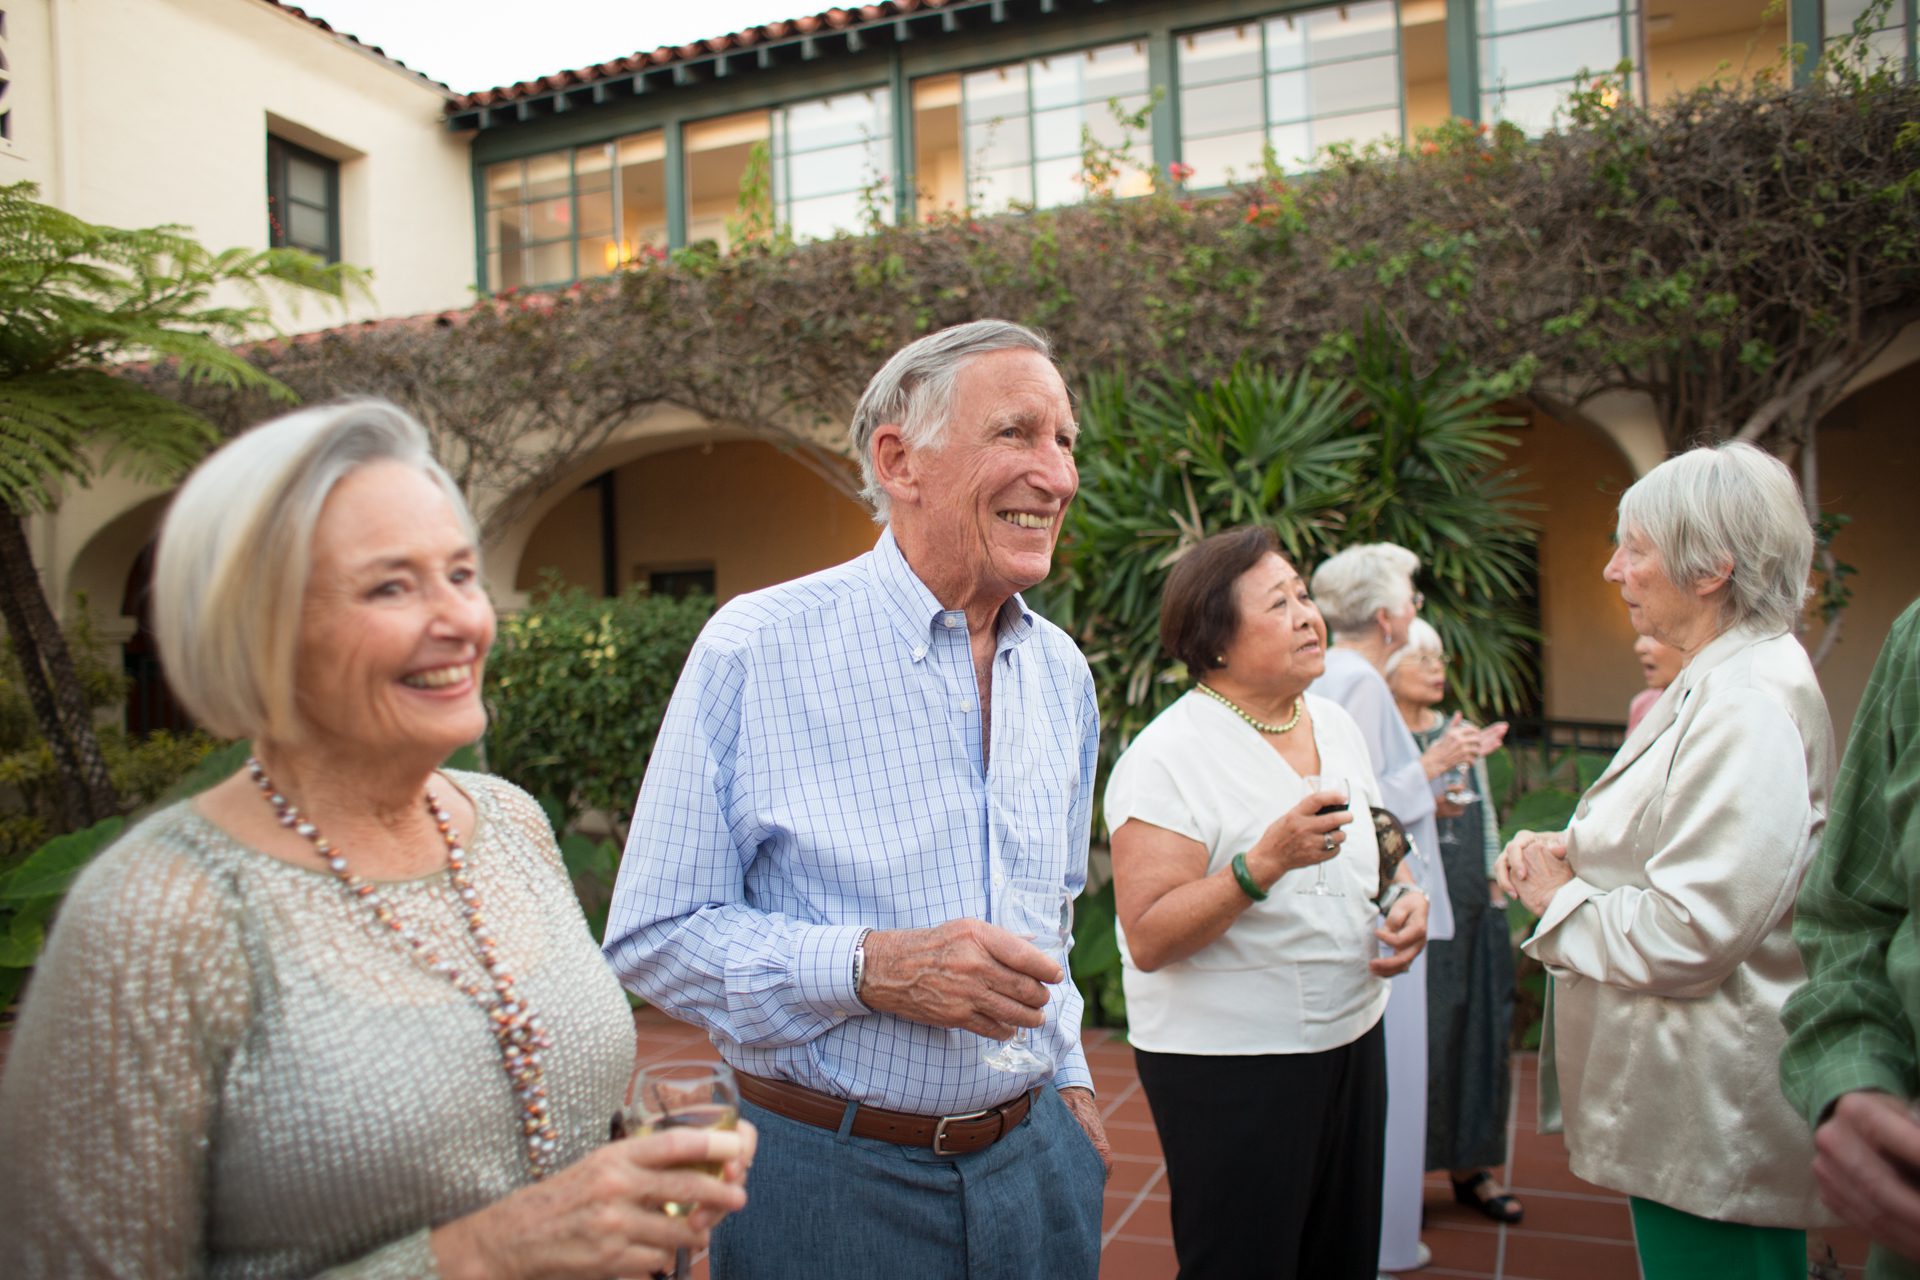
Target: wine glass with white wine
[682,1095]
[1041,911]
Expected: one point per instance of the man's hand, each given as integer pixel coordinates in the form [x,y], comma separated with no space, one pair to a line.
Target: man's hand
[1405,933]
[1087,1112]
[965,973]
[1867,1162]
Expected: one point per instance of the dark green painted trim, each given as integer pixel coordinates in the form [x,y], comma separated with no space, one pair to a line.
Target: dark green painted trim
[480,230]
[1463,61]
[676,193]
[900,98]
[1163,74]
[1804,20]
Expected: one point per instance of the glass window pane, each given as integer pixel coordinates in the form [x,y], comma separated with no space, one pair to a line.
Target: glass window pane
[1057,133]
[821,172]
[503,184]
[1556,53]
[1221,107]
[824,217]
[643,191]
[1107,129]
[718,152]
[550,219]
[643,148]
[306,180]
[1358,129]
[1840,15]
[596,213]
[547,175]
[1208,57]
[1233,157]
[593,168]
[1350,86]
[1057,182]
[550,263]
[997,143]
[602,255]
[1000,91]
[939,172]
[503,228]
[1112,72]
[836,121]
[994,189]
[1288,95]
[307,228]
[1349,30]
[1511,15]
[1531,109]
[1292,146]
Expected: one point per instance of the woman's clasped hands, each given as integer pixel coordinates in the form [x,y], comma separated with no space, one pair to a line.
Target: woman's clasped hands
[605,1215]
[1532,868]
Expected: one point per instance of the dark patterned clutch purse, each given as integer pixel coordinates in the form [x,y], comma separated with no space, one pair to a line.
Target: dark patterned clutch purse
[1395,845]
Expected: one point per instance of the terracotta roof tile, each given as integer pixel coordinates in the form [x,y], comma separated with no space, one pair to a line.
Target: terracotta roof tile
[804,25]
[357,42]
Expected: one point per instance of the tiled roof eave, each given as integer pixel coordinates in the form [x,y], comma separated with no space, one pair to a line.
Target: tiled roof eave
[762,48]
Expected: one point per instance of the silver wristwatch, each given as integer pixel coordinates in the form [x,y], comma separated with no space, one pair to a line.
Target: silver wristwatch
[1396,891]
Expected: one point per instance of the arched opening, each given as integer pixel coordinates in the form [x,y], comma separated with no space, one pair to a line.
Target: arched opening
[723,517]
[150,701]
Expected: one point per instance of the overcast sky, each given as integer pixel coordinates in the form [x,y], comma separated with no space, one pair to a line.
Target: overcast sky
[479,44]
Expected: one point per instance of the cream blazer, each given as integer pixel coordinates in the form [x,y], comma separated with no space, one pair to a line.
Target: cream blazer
[1670,950]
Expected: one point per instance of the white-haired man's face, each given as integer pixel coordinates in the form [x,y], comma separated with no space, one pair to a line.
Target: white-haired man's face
[979,516]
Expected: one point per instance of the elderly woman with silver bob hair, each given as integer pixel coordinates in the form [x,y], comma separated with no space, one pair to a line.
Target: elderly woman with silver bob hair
[341,1012]
[1665,906]
[1367,596]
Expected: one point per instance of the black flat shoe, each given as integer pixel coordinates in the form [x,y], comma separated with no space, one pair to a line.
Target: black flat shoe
[1473,1193]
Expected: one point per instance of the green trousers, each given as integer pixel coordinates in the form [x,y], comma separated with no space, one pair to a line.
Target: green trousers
[1678,1246]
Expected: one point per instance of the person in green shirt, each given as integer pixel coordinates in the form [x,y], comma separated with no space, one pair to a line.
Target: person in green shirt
[1852,1061]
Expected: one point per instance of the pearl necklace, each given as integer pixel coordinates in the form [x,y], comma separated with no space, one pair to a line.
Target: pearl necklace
[516,1029]
[1234,707]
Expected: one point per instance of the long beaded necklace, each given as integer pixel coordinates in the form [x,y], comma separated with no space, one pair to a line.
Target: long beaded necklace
[1235,707]
[516,1029]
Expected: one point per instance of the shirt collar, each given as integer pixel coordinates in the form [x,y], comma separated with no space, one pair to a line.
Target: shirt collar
[915,611]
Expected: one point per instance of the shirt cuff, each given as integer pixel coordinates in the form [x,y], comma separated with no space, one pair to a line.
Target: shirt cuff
[1569,898]
[823,970]
[1074,1072]
[1834,1080]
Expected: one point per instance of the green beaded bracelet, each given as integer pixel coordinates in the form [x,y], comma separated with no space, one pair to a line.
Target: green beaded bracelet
[1248,885]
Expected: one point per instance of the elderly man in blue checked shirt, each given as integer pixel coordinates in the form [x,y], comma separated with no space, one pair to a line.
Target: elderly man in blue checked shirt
[851,765]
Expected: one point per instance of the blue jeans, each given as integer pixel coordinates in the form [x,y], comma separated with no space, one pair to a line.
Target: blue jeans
[837,1207]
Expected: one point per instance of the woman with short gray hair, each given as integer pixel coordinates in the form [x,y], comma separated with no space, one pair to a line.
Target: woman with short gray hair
[1366,593]
[1666,905]
[301,1023]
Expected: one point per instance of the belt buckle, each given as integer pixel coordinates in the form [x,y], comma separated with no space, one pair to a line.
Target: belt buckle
[940,1129]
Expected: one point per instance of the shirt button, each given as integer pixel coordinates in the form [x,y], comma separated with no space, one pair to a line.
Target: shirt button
[949,622]
[918,654]
[965,705]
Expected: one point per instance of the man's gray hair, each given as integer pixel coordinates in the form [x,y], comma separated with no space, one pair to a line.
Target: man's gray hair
[1731,507]
[915,391]
[1351,586]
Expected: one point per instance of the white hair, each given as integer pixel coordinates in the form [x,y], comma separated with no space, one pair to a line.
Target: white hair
[235,554]
[1422,642]
[1350,586]
[1734,509]
[915,390]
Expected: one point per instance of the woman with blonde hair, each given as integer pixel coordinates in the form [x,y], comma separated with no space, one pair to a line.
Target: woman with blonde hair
[341,1012]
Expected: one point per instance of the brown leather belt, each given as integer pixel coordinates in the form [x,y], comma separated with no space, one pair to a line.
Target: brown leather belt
[948,1135]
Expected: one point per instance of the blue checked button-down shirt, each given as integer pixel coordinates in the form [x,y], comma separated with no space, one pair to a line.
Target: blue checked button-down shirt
[819,771]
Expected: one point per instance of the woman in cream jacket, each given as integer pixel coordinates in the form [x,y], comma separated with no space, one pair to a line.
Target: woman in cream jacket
[1665,905]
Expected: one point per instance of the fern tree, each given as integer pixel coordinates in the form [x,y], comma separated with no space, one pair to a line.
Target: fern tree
[1380,452]
[75,299]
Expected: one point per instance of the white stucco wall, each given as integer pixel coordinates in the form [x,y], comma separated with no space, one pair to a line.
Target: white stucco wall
[137,112]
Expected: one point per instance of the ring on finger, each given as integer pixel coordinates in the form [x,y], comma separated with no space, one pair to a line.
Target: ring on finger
[1326,842]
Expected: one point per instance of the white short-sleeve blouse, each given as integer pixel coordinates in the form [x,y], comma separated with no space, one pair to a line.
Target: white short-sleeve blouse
[1290,975]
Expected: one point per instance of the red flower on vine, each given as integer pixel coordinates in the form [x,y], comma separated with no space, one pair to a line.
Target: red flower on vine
[1179,172]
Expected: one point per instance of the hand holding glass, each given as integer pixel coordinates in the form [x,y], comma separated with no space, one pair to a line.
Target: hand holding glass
[682,1095]
[1324,782]
[1041,911]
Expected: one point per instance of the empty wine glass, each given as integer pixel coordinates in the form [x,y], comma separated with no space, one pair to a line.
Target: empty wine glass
[1320,888]
[1041,911]
[1460,790]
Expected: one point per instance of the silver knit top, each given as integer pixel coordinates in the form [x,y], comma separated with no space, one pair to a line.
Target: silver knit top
[227,1067]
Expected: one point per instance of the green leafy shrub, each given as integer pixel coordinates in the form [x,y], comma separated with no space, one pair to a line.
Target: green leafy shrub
[576,686]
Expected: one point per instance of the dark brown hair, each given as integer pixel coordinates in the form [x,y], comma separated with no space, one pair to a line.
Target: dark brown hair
[1198,615]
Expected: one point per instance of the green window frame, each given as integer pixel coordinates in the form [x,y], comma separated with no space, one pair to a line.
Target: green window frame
[1530,53]
[811,197]
[1285,67]
[303,200]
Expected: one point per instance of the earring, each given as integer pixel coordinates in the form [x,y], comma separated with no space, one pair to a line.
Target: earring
[1219,659]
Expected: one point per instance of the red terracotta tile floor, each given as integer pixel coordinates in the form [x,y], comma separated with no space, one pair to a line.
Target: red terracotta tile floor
[1573,1231]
